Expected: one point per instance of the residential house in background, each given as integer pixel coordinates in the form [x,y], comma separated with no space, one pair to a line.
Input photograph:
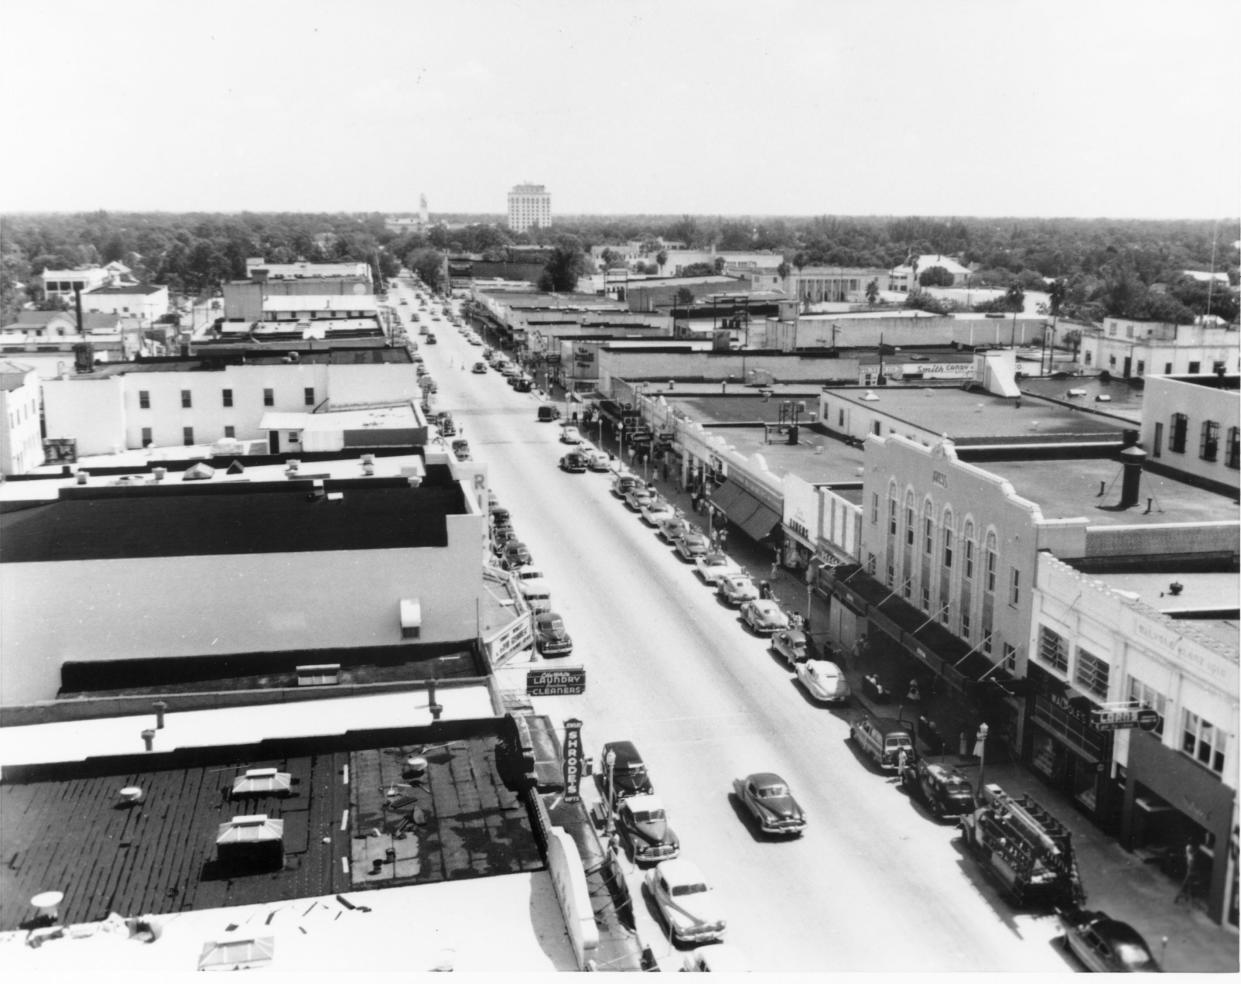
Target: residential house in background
[905,277]
[146,301]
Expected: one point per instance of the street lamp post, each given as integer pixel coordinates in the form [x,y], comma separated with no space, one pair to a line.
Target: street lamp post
[620,436]
[980,746]
[609,759]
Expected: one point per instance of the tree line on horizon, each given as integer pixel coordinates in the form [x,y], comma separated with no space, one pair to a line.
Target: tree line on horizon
[1119,267]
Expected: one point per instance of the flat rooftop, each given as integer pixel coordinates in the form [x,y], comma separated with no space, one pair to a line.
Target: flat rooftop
[1122,398]
[1200,591]
[319,302]
[978,418]
[246,518]
[1068,489]
[373,355]
[354,802]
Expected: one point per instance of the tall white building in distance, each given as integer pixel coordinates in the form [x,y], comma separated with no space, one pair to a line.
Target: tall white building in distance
[529,205]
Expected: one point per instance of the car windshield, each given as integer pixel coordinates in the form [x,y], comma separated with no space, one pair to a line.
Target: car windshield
[900,741]
[690,888]
[648,816]
[773,791]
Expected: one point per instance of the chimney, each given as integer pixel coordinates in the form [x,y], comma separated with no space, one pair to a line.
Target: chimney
[1131,459]
[77,306]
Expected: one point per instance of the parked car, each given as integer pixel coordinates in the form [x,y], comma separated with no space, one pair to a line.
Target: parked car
[461,448]
[883,739]
[672,529]
[714,565]
[573,462]
[479,369]
[823,680]
[946,792]
[643,826]
[763,615]
[515,554]
[638,497]
[718,958]
[547,412]
[551,637]
[692,544]
[431,339]
[621,484]
[570,435]
[523,384]
[769,801]
[534,588]
[626,776]
[790,644]
[1106,945]
[736,589]
[598,461]
[684,901]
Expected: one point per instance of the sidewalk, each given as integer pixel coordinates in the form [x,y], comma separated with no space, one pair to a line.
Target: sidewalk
[1116,881]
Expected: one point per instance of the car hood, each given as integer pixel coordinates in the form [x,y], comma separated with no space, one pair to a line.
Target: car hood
[779,807]
[652,831]
[694,910]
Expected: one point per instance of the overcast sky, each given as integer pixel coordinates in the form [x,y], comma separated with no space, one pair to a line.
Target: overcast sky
[735,107]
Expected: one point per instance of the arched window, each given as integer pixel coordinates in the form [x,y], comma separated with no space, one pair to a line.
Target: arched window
[967,538]
[892,508]
[948,534]
[992,560]
[928,528]
[909,517]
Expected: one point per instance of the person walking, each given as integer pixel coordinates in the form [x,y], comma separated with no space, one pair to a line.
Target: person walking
[902,762]
[1186,890]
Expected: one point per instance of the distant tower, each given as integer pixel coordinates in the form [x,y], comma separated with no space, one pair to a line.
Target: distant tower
[529,205]
[422,211]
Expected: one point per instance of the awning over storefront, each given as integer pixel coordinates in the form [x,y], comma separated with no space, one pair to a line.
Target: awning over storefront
[946,655]
[746,510]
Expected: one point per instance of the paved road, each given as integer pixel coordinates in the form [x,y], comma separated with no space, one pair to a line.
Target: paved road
[873,885]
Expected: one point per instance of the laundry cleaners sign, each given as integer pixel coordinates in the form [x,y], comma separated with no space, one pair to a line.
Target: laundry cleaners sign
[556,683]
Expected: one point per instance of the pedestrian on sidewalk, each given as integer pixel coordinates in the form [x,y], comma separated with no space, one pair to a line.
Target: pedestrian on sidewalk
[1185,893]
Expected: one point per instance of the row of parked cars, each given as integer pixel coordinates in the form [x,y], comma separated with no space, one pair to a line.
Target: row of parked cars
[551,637]
[823,679]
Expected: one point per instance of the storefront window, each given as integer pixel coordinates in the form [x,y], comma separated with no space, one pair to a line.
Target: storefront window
[1203,741]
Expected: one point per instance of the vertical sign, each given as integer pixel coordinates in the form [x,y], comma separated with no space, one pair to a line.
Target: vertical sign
[572,760]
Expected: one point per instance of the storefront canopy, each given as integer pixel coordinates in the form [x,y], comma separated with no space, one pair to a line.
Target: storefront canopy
[745,510]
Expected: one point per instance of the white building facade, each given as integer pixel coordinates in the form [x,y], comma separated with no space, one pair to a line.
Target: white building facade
[21,441]
[180,406]
[1192,425]
[145,301]
[1173,784]
[1129,348]
[529,205]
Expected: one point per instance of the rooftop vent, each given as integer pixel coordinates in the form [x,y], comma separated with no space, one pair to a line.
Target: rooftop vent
[263,782]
